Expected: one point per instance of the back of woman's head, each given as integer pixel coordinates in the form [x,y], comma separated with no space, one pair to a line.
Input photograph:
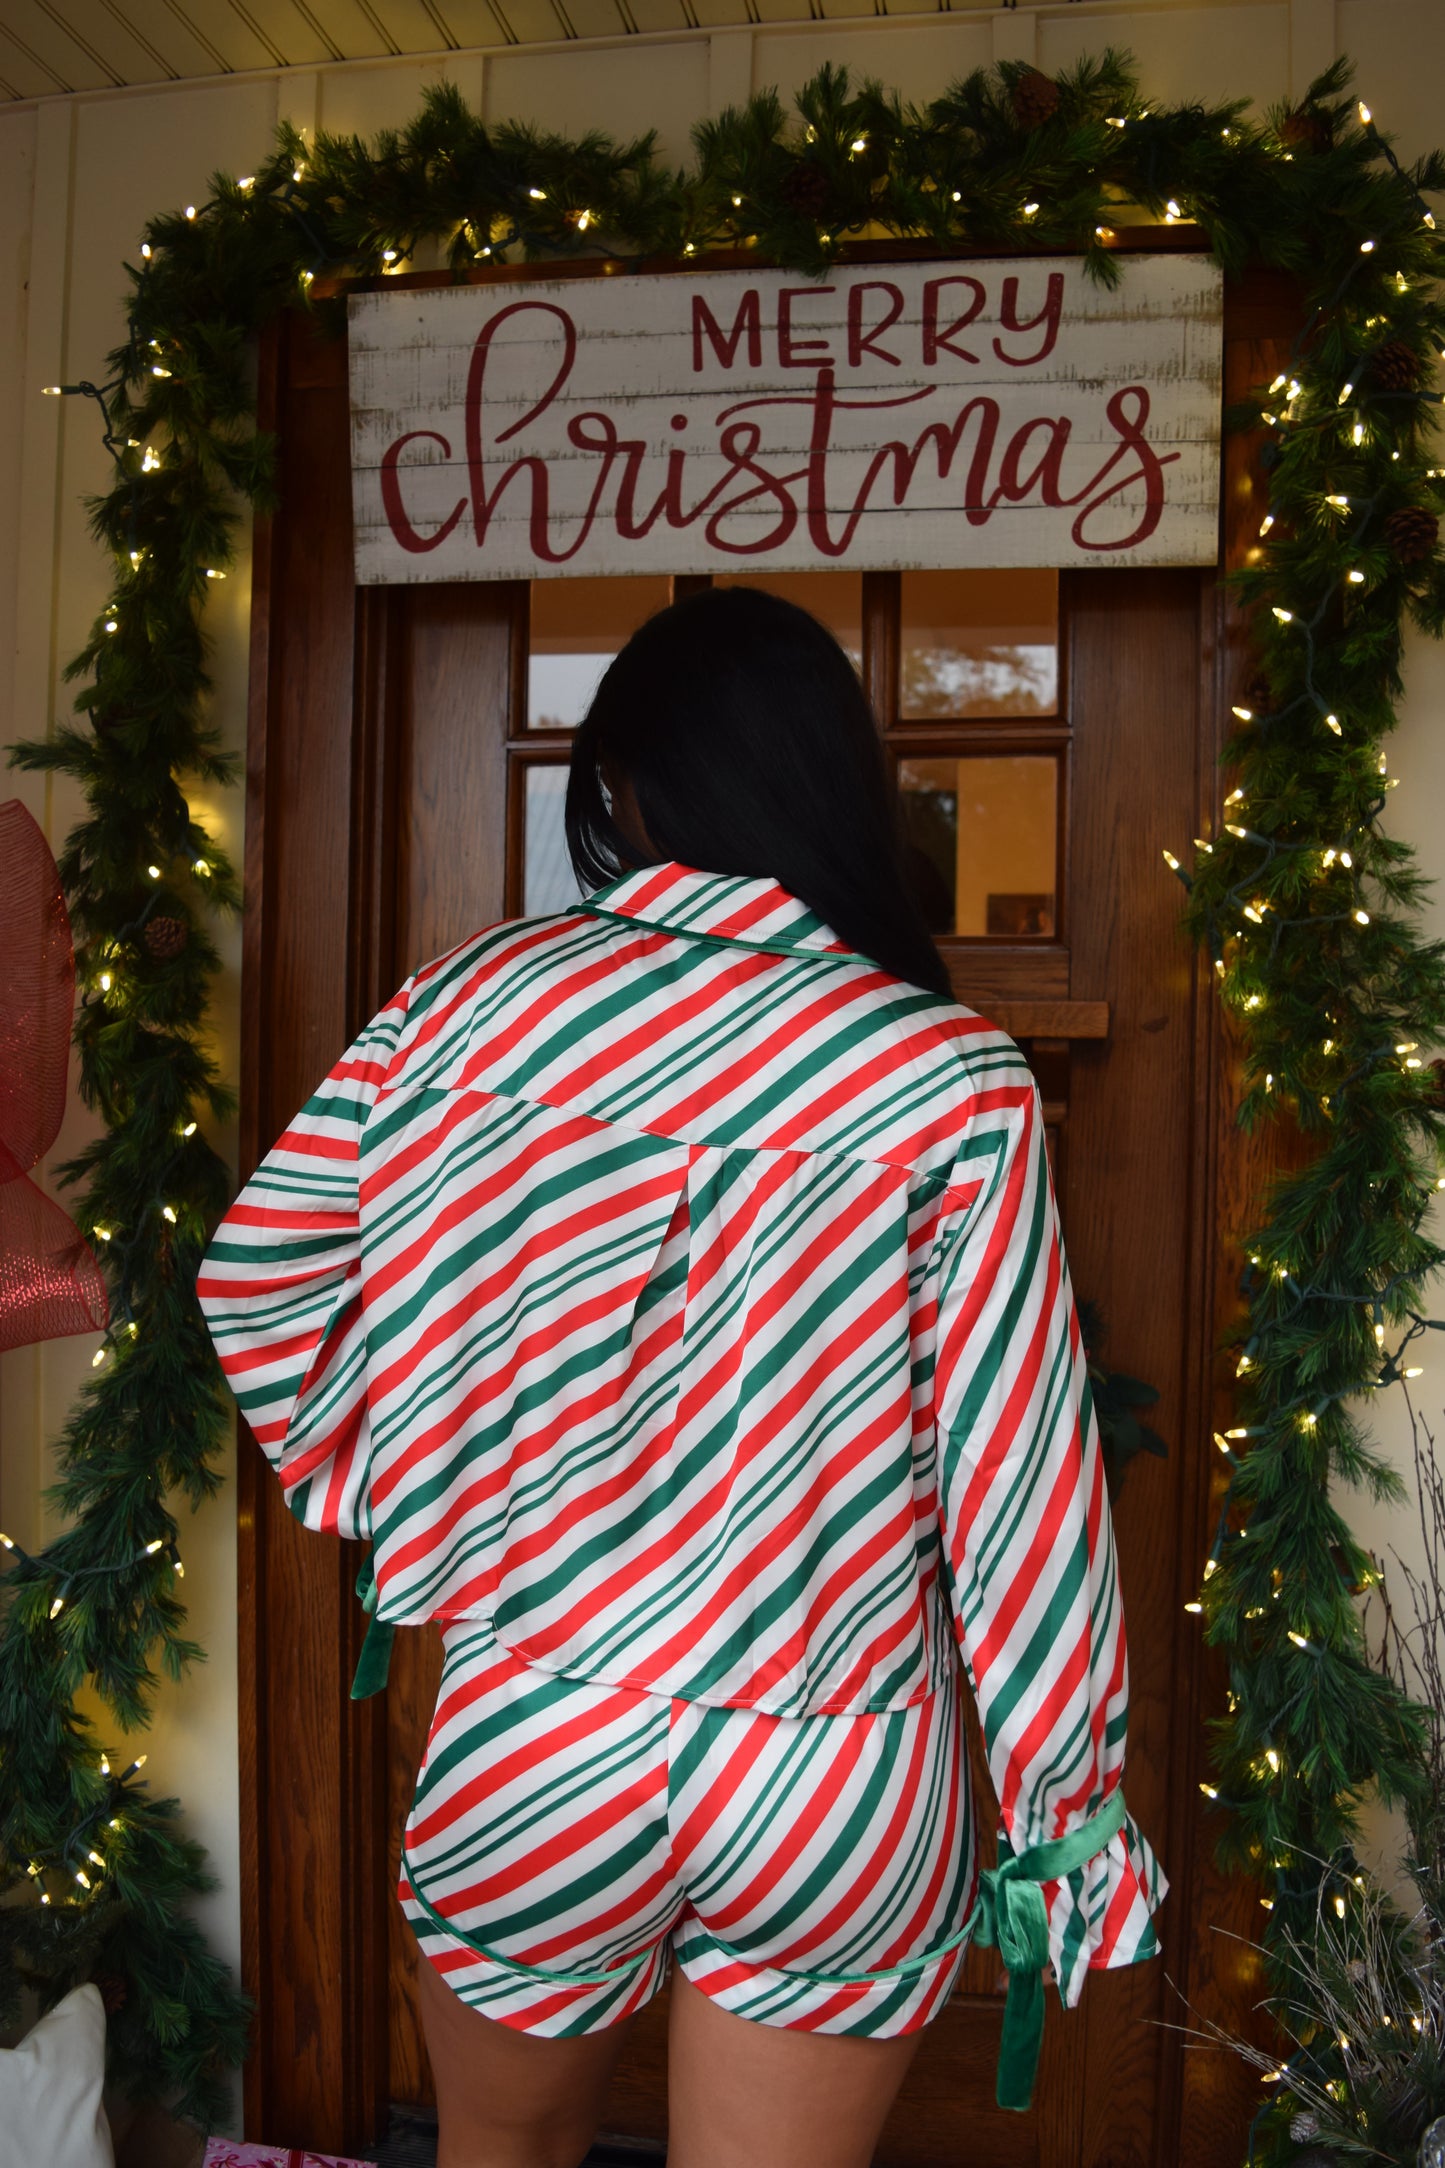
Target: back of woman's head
[751,749]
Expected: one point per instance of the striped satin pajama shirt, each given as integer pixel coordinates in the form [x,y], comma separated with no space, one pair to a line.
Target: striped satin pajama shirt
[675,1300]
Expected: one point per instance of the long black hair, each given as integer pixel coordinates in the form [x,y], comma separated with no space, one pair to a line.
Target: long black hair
[751,749]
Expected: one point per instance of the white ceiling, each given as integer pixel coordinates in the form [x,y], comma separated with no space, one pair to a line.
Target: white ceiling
[48,47]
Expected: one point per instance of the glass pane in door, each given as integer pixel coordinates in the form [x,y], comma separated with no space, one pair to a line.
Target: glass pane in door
[577,628]
[979,643]
[982,834]
[835,598]
[548,882]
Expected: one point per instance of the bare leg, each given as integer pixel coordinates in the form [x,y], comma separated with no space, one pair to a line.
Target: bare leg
[744,2095]
[508,2099]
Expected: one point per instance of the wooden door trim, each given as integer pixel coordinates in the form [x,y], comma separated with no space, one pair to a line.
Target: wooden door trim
[311,1780]
[1051,1019]
[253,1769]
[1210,2095]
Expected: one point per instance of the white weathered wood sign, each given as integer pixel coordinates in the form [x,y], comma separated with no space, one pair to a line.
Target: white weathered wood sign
[979,413]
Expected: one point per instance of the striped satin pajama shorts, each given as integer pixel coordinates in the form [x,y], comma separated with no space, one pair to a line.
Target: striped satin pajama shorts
[566,1838]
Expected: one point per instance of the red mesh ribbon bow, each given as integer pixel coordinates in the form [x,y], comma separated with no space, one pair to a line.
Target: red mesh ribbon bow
[50,1283]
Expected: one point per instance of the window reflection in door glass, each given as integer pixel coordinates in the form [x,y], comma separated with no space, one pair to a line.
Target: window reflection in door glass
[548,882]
[979,643]
[982,836]
[835,598]
[577,628]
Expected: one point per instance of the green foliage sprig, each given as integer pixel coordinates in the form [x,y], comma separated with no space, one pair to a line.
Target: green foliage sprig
[1305,903]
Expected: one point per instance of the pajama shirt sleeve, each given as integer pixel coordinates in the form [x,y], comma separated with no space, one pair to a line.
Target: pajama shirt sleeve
[280,1289]
[1027,1539]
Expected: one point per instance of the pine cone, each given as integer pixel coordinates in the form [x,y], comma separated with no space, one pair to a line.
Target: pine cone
[112,1991]
[1306,129]
[1412,533]
[1395,366]
[1303,2127]
[166,937]
[1035,98]
[805,189]
[1437,1088]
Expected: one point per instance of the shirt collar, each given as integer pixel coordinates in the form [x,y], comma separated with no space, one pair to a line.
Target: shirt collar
[719,907]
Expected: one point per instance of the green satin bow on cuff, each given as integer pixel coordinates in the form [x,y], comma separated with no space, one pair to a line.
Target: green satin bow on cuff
[1010,1916]
[374,1662]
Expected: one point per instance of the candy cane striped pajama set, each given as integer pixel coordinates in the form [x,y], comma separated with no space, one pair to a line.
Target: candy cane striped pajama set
[676,1302]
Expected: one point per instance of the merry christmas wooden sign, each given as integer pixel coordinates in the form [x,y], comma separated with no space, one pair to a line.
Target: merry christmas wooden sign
[1007,412]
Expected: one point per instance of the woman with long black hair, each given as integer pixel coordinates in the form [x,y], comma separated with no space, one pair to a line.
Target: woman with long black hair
[671,1289]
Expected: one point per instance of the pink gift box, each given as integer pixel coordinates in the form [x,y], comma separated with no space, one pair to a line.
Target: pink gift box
[235,2153]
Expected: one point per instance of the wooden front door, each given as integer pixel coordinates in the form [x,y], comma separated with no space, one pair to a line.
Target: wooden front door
[407,747]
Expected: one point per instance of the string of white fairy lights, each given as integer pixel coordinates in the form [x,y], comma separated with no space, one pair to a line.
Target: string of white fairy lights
[1243,899]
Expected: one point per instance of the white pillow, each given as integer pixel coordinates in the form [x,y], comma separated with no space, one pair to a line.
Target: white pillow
[50,2085]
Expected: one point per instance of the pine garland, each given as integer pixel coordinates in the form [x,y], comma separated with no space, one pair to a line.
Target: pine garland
[1308,908]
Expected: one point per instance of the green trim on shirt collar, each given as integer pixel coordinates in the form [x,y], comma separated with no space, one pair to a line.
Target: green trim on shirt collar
[777,945]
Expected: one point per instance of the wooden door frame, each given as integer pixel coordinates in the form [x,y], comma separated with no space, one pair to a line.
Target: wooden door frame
[314,1892]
